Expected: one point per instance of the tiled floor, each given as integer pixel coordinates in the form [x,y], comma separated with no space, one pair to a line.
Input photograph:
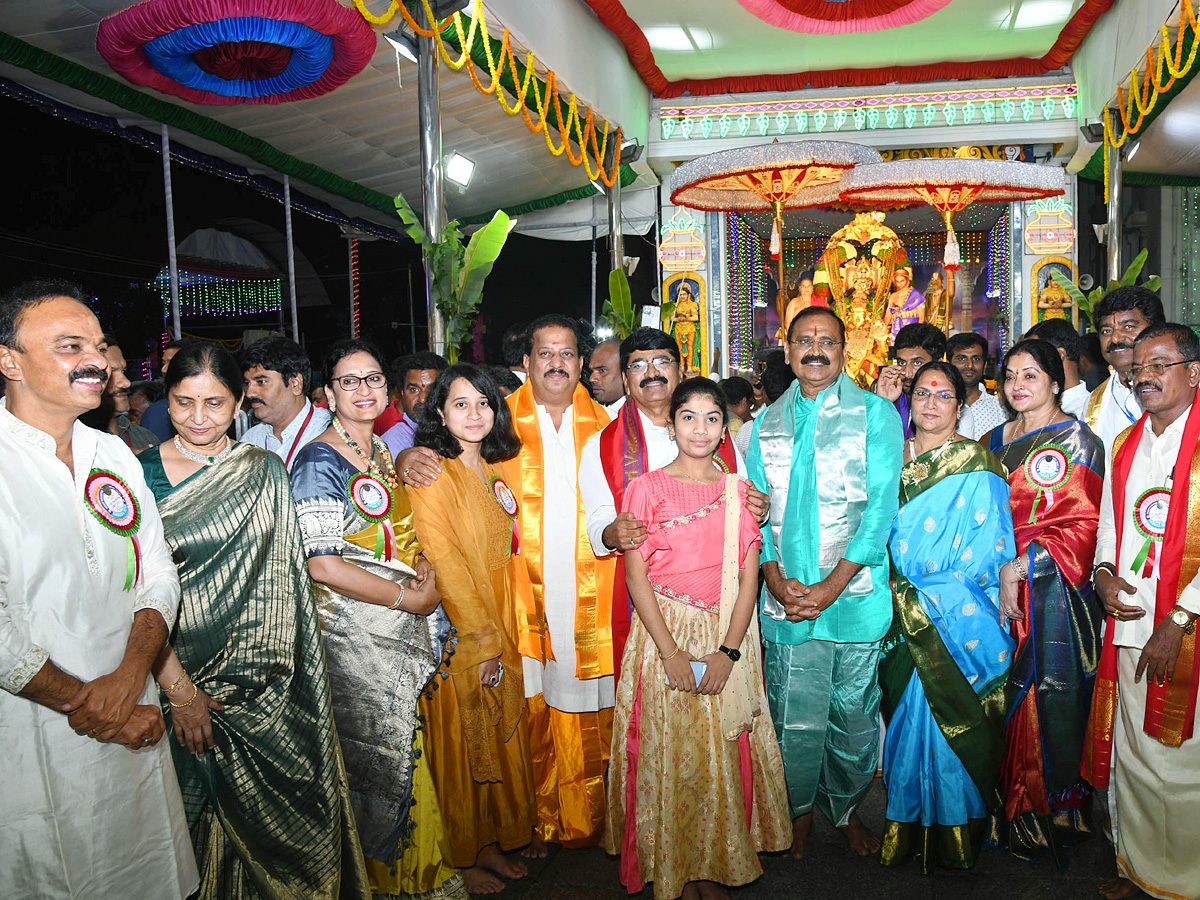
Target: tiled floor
[830,870]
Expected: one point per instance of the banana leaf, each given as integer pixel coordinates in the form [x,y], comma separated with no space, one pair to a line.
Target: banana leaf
[482,250]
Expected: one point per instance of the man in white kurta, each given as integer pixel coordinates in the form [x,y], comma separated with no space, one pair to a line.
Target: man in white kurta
[557,580]
[90,806]
[1154,796]
[1122,315]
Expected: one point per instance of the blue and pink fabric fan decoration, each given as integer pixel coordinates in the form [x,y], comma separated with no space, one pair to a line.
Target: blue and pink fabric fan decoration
[220,52]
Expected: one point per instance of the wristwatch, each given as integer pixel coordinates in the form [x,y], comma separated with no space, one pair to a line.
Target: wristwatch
[733,654]
[1103,567]
[1183,619]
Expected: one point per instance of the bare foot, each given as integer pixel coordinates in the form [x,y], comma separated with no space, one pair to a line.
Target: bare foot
[862,840]
[480,881]
[801,827]
[537,849]
[710,890]
[502,865]
[1119,888]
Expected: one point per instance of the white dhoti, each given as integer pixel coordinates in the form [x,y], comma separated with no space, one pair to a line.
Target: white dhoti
[1155,798]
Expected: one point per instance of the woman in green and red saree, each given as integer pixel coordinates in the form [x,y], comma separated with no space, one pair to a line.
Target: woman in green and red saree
[1056,476]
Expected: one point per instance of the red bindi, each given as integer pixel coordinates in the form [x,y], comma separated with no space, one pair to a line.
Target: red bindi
[935,384]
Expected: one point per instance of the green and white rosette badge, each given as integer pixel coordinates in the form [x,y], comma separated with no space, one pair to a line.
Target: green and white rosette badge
[110,500]
[1150,519]
[1048,469]
[372,499]
[508,502]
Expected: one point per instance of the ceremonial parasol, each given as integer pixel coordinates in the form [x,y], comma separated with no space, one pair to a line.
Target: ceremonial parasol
[777,176]
[950,185]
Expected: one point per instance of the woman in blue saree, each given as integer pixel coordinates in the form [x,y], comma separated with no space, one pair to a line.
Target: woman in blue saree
[946,657]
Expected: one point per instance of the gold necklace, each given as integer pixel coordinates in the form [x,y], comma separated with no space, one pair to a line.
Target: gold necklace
[386,473]
[1009,446]
[697,480]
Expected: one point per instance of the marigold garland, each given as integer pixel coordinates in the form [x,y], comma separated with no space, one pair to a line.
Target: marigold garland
[581,127]
[1145,90]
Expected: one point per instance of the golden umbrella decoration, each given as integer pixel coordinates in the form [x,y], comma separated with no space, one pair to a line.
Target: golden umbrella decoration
[950,185]
[776,176]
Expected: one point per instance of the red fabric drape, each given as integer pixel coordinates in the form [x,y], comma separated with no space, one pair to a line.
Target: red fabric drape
[614,17]
[250,60]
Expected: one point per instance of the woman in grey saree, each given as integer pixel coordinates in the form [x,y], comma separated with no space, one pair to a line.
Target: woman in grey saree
[244,677]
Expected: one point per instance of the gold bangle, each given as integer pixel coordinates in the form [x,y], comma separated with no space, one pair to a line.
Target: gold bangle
[191,700]
[399,599]
[672,656]
[1019,567]
[176,685]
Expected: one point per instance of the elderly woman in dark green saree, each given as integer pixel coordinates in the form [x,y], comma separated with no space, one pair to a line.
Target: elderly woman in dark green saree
[244,678]
[946,657]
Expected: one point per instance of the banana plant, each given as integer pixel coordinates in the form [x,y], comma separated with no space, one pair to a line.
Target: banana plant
[1085,303]
[618,310]
[458,272]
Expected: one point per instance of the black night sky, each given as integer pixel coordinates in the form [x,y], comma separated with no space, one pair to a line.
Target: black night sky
[89,206]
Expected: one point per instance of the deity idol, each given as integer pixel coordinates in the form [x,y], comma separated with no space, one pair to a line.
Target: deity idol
[803,301]
[1054,302]
[941,301]
[687,314]
[866,338]
[905,304]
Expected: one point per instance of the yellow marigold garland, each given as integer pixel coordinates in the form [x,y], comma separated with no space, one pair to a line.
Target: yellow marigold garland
[1145,90]
[583,128]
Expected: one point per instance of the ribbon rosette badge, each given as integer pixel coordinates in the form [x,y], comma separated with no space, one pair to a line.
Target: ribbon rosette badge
[508,503]
[111,501]
[1150,519]
[1047,469]
[372,499]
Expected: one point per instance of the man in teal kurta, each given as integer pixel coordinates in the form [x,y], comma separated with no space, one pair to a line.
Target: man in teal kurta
[829,454]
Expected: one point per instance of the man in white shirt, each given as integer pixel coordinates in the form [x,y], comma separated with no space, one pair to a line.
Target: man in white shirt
[91,804]
[968,352]
[277,374]
[558,586]
[1120,317]
[1146,576]
[1062,335]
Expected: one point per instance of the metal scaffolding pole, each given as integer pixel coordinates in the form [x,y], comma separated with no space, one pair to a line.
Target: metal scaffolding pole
[1113,232]
[172,261]
[291,254]
[432,195]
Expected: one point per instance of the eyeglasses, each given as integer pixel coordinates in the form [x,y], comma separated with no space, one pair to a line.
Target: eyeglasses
[350,382]
[661,363]
[806,343]
[940,396]
[1157,369]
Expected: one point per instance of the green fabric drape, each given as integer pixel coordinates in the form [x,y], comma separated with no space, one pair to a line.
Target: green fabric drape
[268,807]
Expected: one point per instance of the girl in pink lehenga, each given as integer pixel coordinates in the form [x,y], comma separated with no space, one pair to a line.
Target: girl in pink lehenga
[696,787]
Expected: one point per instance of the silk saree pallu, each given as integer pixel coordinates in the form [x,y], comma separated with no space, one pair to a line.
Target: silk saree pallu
[268,807]
[945,658]
[1056,480]
[380,660]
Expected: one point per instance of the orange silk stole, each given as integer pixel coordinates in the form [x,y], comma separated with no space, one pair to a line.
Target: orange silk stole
[593,577]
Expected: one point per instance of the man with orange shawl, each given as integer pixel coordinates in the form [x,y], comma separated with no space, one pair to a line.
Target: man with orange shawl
[562,591]
[1147,560]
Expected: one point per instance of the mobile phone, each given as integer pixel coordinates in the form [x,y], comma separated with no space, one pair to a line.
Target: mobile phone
[698,668]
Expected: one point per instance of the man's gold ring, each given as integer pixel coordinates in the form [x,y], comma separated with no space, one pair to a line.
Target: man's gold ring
[407,469]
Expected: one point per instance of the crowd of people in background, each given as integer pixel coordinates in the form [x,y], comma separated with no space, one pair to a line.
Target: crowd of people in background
[405,619]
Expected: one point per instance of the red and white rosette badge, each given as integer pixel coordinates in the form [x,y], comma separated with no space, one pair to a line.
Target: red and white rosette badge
[508,502]
[110,500]
[1150,519]
[1048,469]
[372,499]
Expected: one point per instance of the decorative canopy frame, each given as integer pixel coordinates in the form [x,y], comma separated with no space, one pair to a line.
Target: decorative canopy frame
[950,186]
[777,176]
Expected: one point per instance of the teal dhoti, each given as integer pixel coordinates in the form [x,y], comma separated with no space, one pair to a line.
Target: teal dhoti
[824,700]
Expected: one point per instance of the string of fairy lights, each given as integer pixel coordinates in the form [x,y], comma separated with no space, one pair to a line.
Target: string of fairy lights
[999,276]
[743,248]
[1189,287]
[204,294]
